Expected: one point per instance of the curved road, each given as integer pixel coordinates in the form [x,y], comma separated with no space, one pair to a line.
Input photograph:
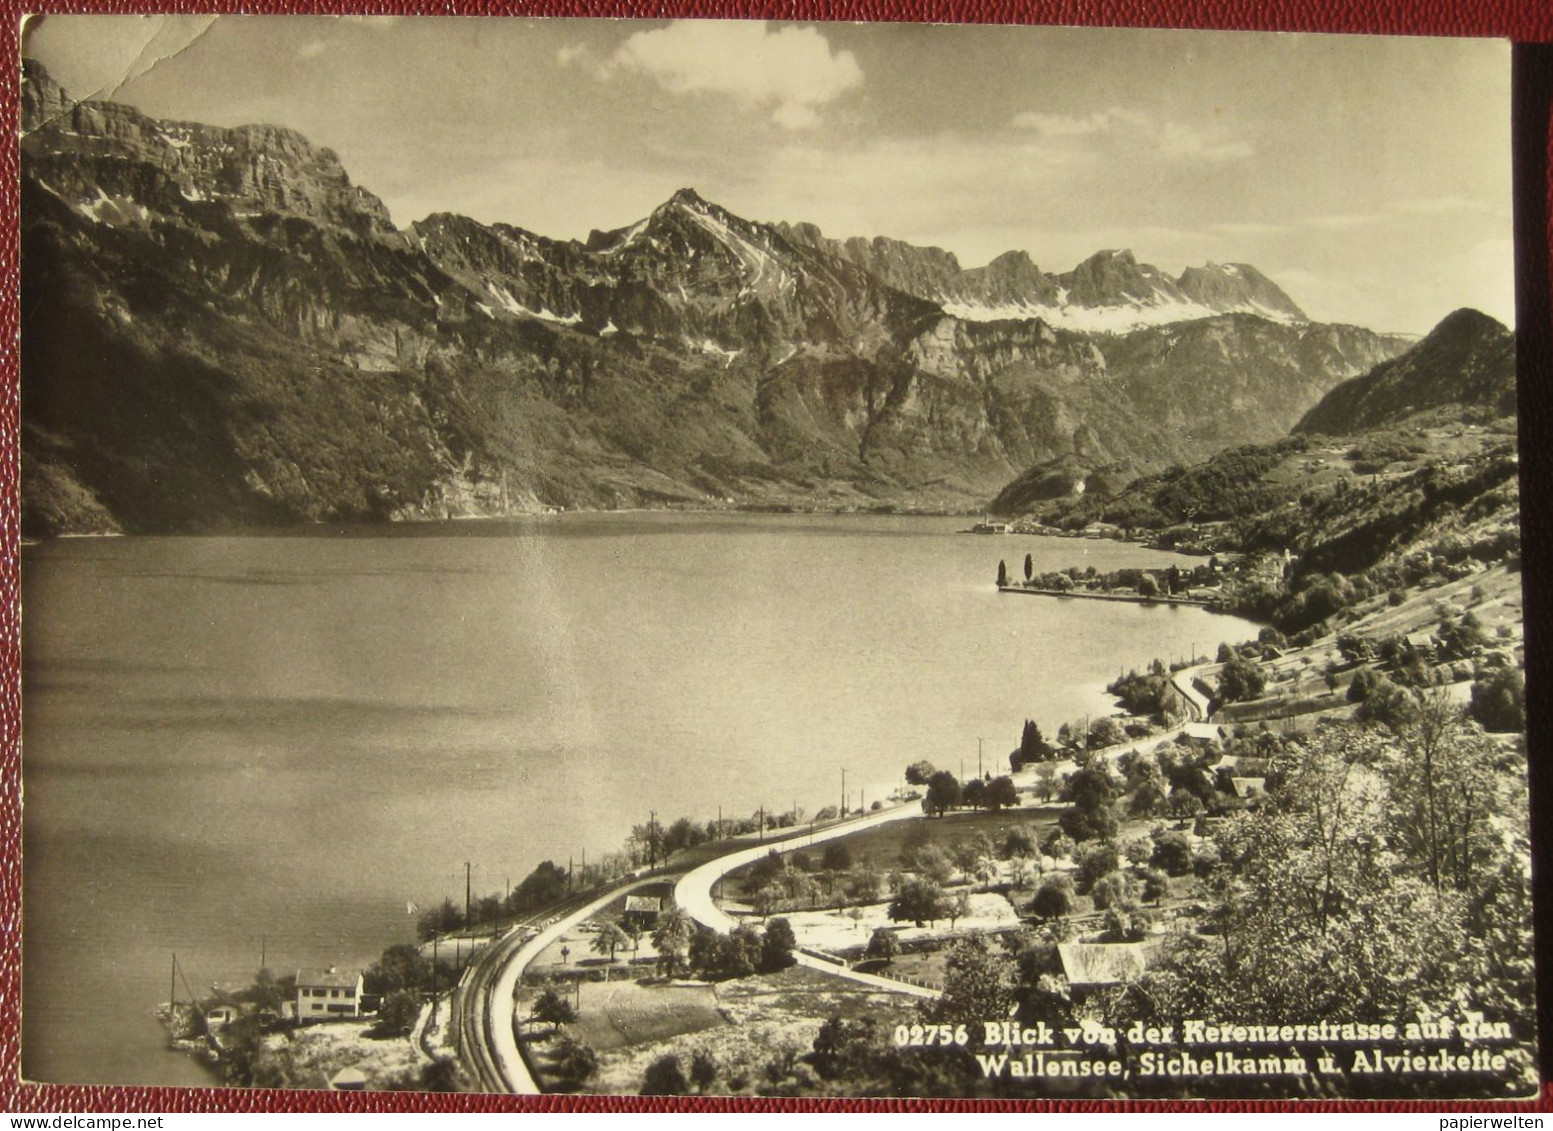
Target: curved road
[693,892]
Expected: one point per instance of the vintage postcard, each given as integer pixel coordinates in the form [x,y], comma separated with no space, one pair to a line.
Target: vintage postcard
[526,528]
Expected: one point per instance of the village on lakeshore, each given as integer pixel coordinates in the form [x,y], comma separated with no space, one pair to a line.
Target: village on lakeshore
[998,549]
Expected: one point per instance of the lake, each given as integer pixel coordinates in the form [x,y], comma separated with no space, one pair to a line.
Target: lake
[276,741]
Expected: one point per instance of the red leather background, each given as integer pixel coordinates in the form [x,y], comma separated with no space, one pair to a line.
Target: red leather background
[1529,23]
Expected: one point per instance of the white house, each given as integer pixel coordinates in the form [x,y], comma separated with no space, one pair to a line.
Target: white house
[326,994]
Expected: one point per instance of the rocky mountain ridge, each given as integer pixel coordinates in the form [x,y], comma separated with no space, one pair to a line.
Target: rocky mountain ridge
[222,329]
[1465,365]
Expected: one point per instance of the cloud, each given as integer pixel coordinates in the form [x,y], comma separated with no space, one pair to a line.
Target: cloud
[311,49]
[1247,228]
[1062,125]
[570,53]
[791,70]
[1184,143]
[1170,141]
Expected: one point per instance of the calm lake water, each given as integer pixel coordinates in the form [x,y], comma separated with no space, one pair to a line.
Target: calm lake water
[277,740]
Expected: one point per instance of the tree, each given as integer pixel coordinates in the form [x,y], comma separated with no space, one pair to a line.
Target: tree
[1354,648]
[665,1077]
[1172,853]
[1386,704]
[1093,791]
[703,1070]
[1002,574]
[608,939]
[778,945]
[396,1016]
[919,901]
[978,984]
[1095,860]
[1114,890]
[1033,746]
[1054,898]
[573,1060]
[837,857]
[865,885]
[943,794]
[439,920]
[1321,919]
[1029,566]
[970,853]
[919,773]
[1240,680]
[973,793]
[1183,804]
[400,967]
[933,863]
[1147,586]
[883,945]
[957,908]
[1499,701]
[1362,684]
[1156,885]
[544,885]
[1443,794]
[1019,844]
[672,937]
[1058,845]
[554,1009]
[1000,794]
[1105,732]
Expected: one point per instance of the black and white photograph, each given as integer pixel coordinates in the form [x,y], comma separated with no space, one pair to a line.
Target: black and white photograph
[526,526]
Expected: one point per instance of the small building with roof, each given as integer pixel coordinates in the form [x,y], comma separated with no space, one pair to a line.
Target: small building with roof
[1096,966]
[1203,732]
[1249,789]
[348,1080]
[643,911]
[324,995]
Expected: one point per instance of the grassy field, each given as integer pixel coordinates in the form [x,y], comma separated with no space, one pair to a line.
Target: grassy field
[616,1015]
[769,1023]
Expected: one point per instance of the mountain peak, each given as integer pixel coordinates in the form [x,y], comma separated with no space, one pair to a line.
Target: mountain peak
[1237,287]
[688,198]
[43,99]
[1466,322]
[1465,365]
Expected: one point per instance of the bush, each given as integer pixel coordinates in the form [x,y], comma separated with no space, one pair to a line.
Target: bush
[665,1077]
[1499,702]
[1054,899]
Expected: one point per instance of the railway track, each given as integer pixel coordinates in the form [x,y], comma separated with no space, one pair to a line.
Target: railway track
[483,1000]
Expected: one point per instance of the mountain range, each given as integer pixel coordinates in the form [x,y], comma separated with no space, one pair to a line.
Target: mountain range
[221,329]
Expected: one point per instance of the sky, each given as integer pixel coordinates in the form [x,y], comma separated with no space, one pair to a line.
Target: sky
[1367,176]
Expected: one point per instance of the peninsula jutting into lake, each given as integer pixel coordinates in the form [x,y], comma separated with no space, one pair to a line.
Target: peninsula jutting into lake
[551,658]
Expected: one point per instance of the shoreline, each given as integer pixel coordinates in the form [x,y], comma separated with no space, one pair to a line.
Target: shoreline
[1129,598]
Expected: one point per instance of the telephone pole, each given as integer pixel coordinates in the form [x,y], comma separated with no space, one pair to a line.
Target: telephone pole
[843,791]
[466,893]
